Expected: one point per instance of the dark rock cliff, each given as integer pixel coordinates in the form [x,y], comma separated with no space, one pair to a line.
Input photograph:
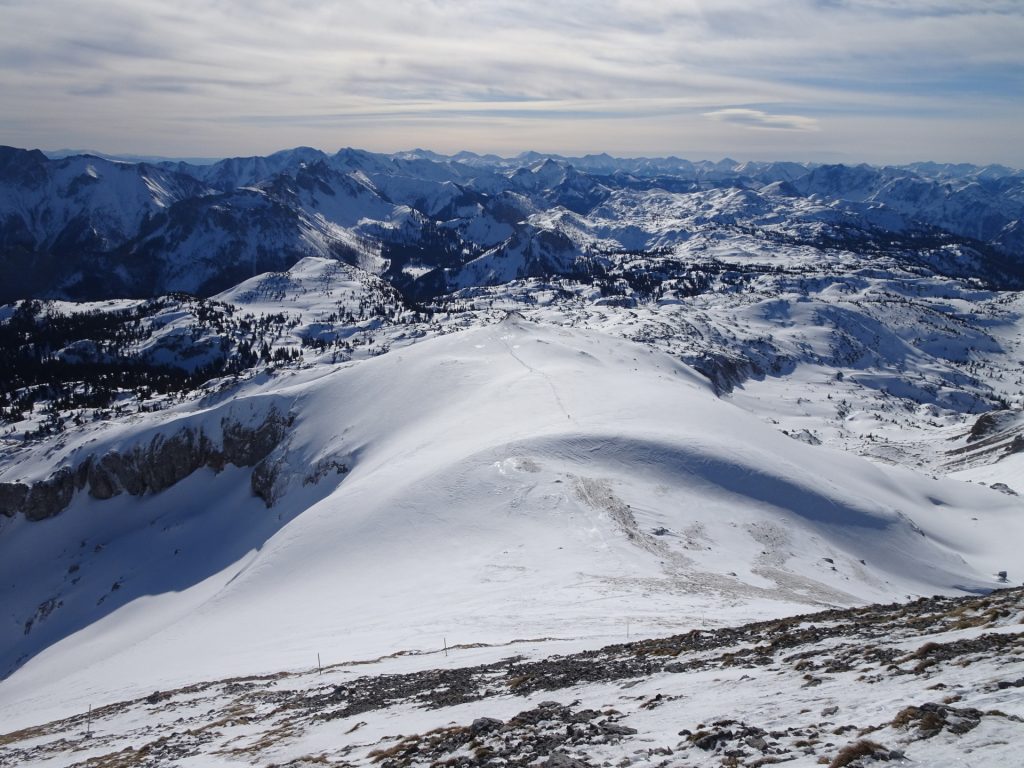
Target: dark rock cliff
[151,467]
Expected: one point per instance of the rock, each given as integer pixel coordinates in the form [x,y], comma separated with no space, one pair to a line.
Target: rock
[618,730]
[49,497]
[1004,684]
[12,498]
[263,482]
[485,725]
[167,460]
[989,423]
[153,467]
[757,742]
[708,741]
[244,446]
[110,476]
[561,760]
[931,719]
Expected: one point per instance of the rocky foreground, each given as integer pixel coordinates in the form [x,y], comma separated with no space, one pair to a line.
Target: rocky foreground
[938,681]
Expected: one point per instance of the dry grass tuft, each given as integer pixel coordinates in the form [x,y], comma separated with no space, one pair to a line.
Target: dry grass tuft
[851,752]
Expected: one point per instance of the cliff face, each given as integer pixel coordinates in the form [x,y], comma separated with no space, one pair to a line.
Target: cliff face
[42,499]
[151,467]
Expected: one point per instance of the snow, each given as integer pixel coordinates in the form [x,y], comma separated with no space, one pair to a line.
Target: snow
[502,482]
[560,475]
[1008,471]
[312,290]
[803,689]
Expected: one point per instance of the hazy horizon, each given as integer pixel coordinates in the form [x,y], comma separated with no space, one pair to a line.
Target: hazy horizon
[835,159]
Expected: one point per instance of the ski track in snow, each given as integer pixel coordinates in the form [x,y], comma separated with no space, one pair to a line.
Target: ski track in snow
[554,392]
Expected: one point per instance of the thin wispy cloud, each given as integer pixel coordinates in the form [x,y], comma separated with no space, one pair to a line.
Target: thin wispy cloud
[758,120]
[879,80]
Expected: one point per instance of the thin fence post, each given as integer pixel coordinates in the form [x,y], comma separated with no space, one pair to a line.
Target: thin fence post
[319,669]
[446,646]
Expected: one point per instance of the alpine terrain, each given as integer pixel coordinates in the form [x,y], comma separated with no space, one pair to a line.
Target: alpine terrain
[414,459]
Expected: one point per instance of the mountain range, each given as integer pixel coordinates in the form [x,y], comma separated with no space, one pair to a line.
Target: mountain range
[430,224]
[368,406]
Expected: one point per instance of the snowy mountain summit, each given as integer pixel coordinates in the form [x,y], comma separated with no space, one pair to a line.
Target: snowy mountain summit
[363,408]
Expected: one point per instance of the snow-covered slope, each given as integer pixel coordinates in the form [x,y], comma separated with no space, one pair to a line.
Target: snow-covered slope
[932,682]
[449,400]
[233,172]
[316,290]
[508,481]
[82,200]
[61,219]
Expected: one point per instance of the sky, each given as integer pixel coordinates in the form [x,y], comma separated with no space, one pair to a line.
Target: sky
[880,81]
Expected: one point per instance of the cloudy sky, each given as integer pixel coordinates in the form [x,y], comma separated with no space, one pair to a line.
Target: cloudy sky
[842,80]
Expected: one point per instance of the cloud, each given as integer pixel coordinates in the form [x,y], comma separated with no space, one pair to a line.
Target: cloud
[655,75]
[758,120]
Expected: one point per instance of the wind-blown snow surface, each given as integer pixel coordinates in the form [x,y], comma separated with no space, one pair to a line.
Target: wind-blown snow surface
[516,480]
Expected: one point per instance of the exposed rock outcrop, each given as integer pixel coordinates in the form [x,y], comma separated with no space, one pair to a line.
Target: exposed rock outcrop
[12,497]
[264,482]
[154,466]
[48,497]
[991,423]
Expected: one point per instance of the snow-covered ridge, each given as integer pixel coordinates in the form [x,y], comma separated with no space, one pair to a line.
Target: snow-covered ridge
[562,475]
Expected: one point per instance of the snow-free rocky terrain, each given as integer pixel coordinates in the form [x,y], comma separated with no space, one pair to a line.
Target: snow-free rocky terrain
[273,412]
